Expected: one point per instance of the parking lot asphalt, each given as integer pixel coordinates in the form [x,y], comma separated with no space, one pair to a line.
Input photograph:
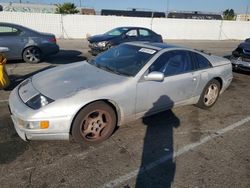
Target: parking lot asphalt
[183,147]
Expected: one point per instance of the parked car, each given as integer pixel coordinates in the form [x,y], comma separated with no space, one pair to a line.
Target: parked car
[100,43]
[241,56]
[26,44]
[89,99]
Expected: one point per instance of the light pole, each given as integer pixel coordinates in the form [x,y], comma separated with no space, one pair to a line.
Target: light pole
[246,15]
[168,5]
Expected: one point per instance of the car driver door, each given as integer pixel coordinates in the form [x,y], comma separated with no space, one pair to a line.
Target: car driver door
[179,83]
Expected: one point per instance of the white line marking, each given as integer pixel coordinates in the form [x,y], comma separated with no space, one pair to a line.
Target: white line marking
[183,150]
[3,101]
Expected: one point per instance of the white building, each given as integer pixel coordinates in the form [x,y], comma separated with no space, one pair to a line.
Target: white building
[243,17]
[28,7]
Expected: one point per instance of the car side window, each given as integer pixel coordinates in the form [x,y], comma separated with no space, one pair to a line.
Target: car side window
[144,33]
[132,33]
[8,31]
[173,63]
[202,62]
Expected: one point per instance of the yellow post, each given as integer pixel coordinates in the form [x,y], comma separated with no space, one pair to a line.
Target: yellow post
[4,79]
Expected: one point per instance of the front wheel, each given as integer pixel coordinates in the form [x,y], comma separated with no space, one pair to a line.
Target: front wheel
[209,95]
[94,123]
[32,55]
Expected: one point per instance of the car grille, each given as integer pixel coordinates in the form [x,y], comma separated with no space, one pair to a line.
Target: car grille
[247,59]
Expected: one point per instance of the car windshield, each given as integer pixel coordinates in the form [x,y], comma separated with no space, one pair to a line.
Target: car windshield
[124,59]
[116,31]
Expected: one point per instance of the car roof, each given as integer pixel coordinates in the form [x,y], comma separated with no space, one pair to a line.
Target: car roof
[133,27]
[17,26]
[9,24]
[156,46]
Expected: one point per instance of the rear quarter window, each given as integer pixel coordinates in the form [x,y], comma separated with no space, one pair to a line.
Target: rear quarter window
[201,61]
[8,31]
[144,33]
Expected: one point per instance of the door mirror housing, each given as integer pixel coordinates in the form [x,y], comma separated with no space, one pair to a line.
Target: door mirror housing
[124,36]
[154,76]
[4,49]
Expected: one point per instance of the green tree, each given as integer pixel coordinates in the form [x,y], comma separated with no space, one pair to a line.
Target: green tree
[66,8]
[229,14]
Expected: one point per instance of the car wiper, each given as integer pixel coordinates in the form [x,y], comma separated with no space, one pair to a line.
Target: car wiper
[125,74]
[107,68]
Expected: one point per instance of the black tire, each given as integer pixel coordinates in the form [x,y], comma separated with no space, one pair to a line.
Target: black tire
[32,55]
[214,86]
[94,123]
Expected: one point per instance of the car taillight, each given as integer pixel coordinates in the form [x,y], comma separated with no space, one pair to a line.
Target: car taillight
[52,39]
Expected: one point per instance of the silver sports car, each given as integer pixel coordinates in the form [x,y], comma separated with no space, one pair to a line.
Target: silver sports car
[25,43]
[89,99]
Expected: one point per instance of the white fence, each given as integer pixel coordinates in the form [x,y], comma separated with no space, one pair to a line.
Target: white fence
[80,26]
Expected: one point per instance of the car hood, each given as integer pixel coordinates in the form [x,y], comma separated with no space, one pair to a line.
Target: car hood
[67,80]
[99,38]
[245,45]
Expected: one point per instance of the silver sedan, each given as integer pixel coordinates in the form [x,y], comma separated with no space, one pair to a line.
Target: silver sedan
[25,43]
[89,99]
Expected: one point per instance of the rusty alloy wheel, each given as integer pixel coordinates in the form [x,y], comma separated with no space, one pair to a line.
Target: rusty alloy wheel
[94,123]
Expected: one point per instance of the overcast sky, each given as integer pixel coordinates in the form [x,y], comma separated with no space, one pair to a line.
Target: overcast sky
[239,6]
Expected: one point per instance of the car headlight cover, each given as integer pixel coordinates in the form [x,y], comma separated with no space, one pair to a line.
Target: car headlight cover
[39,101]
[32,124]
[102,44]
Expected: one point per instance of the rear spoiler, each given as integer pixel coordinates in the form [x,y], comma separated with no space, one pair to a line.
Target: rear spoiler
[203,51]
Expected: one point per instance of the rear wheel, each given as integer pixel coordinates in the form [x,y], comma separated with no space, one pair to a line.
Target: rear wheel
[94,123]
[32,55]
[210,94]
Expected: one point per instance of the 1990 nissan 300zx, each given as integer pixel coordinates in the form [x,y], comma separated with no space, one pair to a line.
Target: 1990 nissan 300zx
[89,99]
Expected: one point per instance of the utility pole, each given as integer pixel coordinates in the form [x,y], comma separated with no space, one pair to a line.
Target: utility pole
[80,3]
[168,6]
[20,1]
[246,16]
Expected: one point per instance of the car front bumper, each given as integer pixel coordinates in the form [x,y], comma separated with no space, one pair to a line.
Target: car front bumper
[22,115]
[95,50]
[241,65]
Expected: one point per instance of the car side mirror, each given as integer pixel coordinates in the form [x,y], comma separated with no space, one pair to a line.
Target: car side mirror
[124,36]
[4,49]
[154,76]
